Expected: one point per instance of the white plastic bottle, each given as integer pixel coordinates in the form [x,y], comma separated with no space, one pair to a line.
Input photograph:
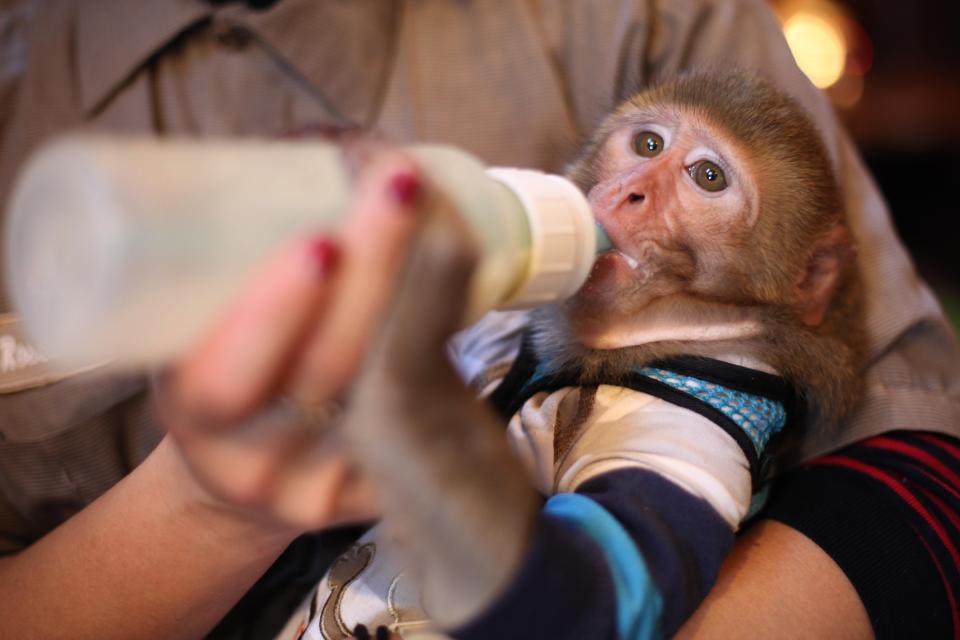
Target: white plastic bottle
[126,250]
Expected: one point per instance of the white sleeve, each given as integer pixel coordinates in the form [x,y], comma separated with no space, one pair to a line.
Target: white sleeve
[627,428]
[494,339]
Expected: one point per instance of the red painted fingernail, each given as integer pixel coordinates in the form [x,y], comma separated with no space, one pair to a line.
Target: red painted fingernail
[405,187]
[325,253]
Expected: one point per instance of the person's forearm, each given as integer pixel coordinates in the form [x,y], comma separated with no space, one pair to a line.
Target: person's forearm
[778,583]
[146,560]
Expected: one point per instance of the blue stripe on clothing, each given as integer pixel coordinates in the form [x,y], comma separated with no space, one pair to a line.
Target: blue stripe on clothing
[639,604]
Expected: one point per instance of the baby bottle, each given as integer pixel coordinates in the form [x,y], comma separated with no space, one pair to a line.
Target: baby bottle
[125,250]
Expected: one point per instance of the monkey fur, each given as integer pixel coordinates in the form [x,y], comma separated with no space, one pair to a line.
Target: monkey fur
[800,232]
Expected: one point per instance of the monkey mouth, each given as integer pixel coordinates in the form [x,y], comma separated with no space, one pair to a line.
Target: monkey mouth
[632,262]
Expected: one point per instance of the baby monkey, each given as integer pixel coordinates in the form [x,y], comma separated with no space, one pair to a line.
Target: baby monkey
[641,408]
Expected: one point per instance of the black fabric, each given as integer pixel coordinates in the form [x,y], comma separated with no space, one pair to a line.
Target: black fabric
[506,398]
[880,541]
[262,612]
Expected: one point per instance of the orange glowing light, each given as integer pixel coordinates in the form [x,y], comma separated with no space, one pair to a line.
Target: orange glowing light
[818,45]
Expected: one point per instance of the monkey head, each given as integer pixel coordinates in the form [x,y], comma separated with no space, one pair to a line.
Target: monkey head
[713,188]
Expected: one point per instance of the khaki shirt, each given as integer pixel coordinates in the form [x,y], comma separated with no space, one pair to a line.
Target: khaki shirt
[517,83]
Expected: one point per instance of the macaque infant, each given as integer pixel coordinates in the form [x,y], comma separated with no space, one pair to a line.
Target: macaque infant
[643,408]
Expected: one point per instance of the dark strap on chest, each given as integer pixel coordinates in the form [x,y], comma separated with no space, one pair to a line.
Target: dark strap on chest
[527,378]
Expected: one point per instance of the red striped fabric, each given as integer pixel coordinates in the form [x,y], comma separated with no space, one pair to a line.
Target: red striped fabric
[922,472]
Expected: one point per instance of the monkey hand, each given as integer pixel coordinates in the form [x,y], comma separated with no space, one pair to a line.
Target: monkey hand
[448,485]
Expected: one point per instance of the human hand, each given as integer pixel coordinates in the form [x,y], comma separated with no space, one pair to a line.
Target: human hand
[299,331]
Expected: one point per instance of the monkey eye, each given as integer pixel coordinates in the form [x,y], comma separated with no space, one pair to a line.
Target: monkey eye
[648,144]
[708,176]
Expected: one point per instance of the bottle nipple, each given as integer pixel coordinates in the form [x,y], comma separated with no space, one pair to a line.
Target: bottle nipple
[603,240]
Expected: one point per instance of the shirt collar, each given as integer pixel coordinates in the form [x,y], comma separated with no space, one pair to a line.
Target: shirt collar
[115,37]
[344,50]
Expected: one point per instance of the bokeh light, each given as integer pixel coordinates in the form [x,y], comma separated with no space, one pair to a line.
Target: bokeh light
[818,45]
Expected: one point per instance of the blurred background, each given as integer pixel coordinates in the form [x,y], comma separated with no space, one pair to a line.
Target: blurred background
[892,70]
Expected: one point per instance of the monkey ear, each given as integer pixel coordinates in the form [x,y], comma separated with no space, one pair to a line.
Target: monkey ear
[825,267]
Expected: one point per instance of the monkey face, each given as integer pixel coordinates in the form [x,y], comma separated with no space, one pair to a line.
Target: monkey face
[676,196]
